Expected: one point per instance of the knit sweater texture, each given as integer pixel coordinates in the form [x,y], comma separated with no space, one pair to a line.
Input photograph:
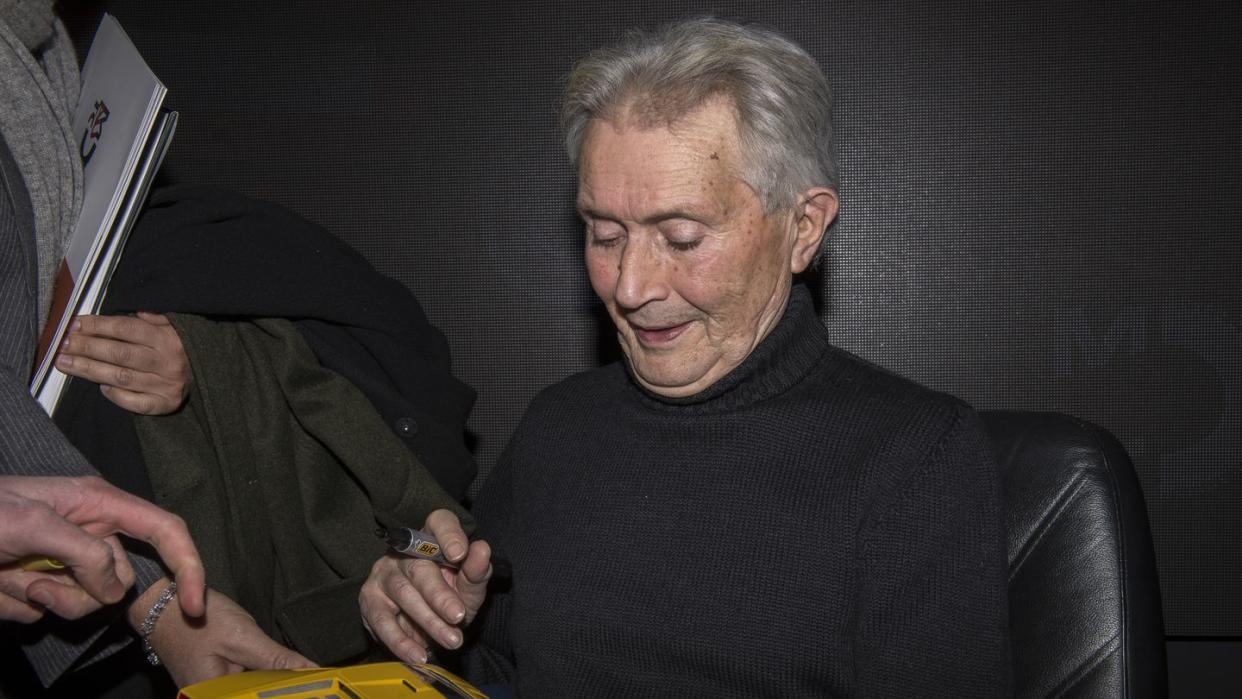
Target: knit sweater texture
[810,525]
[40,82]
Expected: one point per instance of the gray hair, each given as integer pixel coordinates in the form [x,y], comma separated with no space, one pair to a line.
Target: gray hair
[781,97]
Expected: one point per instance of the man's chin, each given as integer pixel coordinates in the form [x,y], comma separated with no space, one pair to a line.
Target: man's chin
[669,384]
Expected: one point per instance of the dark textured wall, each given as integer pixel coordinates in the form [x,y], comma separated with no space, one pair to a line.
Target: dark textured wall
[1040,202]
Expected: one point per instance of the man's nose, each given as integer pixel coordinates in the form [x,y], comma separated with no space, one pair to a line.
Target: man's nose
[642,276]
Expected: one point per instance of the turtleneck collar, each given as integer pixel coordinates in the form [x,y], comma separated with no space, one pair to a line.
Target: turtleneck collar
[780,361]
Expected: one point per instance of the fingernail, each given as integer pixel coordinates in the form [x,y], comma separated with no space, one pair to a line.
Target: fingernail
[114,590]
[64,360]
[455,550]
[459,615]
[41,598]
[453,638]
[76,325]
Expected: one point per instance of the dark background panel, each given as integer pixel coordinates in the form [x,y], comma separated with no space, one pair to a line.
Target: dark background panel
[1040,203]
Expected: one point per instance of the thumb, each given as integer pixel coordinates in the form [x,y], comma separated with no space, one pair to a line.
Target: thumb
[259,652]
[12,609]
[288,659]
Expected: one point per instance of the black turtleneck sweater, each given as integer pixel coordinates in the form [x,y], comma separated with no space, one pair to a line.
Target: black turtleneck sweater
[809,525]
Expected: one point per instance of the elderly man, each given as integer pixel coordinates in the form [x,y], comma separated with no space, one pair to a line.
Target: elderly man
[739,507]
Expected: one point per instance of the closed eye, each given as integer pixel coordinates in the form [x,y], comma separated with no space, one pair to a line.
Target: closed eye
[682,234]
[602,233]
[604,242]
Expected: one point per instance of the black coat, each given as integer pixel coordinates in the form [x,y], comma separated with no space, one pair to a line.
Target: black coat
[218,254]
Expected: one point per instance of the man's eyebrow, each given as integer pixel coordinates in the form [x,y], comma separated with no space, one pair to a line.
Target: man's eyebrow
[670,214]
[586,211]
[687,213]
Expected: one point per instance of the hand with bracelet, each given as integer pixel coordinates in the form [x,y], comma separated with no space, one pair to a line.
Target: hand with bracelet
[224,640]
[140,364]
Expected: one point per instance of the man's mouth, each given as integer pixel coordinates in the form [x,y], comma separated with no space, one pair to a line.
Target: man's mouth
[656,336]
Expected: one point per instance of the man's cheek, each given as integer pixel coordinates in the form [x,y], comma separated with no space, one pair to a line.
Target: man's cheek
[603,276]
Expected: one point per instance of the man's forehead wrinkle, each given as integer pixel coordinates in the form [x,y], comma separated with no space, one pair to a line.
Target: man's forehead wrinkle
[694,177]
[644,203]
[685,191]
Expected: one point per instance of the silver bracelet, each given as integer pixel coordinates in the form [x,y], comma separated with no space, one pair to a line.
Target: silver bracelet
[153,615]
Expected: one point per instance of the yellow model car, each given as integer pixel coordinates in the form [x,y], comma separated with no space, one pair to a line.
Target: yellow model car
[371,681]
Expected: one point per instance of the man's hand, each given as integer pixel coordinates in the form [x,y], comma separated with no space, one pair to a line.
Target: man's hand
[72,520]
[408,603]
[224,640]
[97,571]
[138,361]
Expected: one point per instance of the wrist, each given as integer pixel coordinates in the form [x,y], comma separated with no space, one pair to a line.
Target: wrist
[144,614]
[138,609]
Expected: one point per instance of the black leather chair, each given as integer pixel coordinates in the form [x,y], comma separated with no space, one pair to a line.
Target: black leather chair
[1084,600]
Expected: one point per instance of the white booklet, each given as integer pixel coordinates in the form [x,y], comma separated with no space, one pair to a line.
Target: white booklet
[124,134]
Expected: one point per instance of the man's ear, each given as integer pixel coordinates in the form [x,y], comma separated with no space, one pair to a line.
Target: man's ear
[814,214]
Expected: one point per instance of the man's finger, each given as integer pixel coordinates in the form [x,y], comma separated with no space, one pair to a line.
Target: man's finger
[140,362]
[91,585]
[93,356]
[257,651]
[127,329]
[179,554]
[427,600]
[124,569]
[444,526]
[104,509]
[477,567]
[73,596]
[100,372]
[92,560]
[62,597]
[207,668]
[380,613]
[155,402]
[12,609]
[412,648]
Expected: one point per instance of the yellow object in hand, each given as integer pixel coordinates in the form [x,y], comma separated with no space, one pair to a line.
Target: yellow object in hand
[37,564]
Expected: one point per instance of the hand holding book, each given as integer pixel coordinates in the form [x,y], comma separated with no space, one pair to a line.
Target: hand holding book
[138,361]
